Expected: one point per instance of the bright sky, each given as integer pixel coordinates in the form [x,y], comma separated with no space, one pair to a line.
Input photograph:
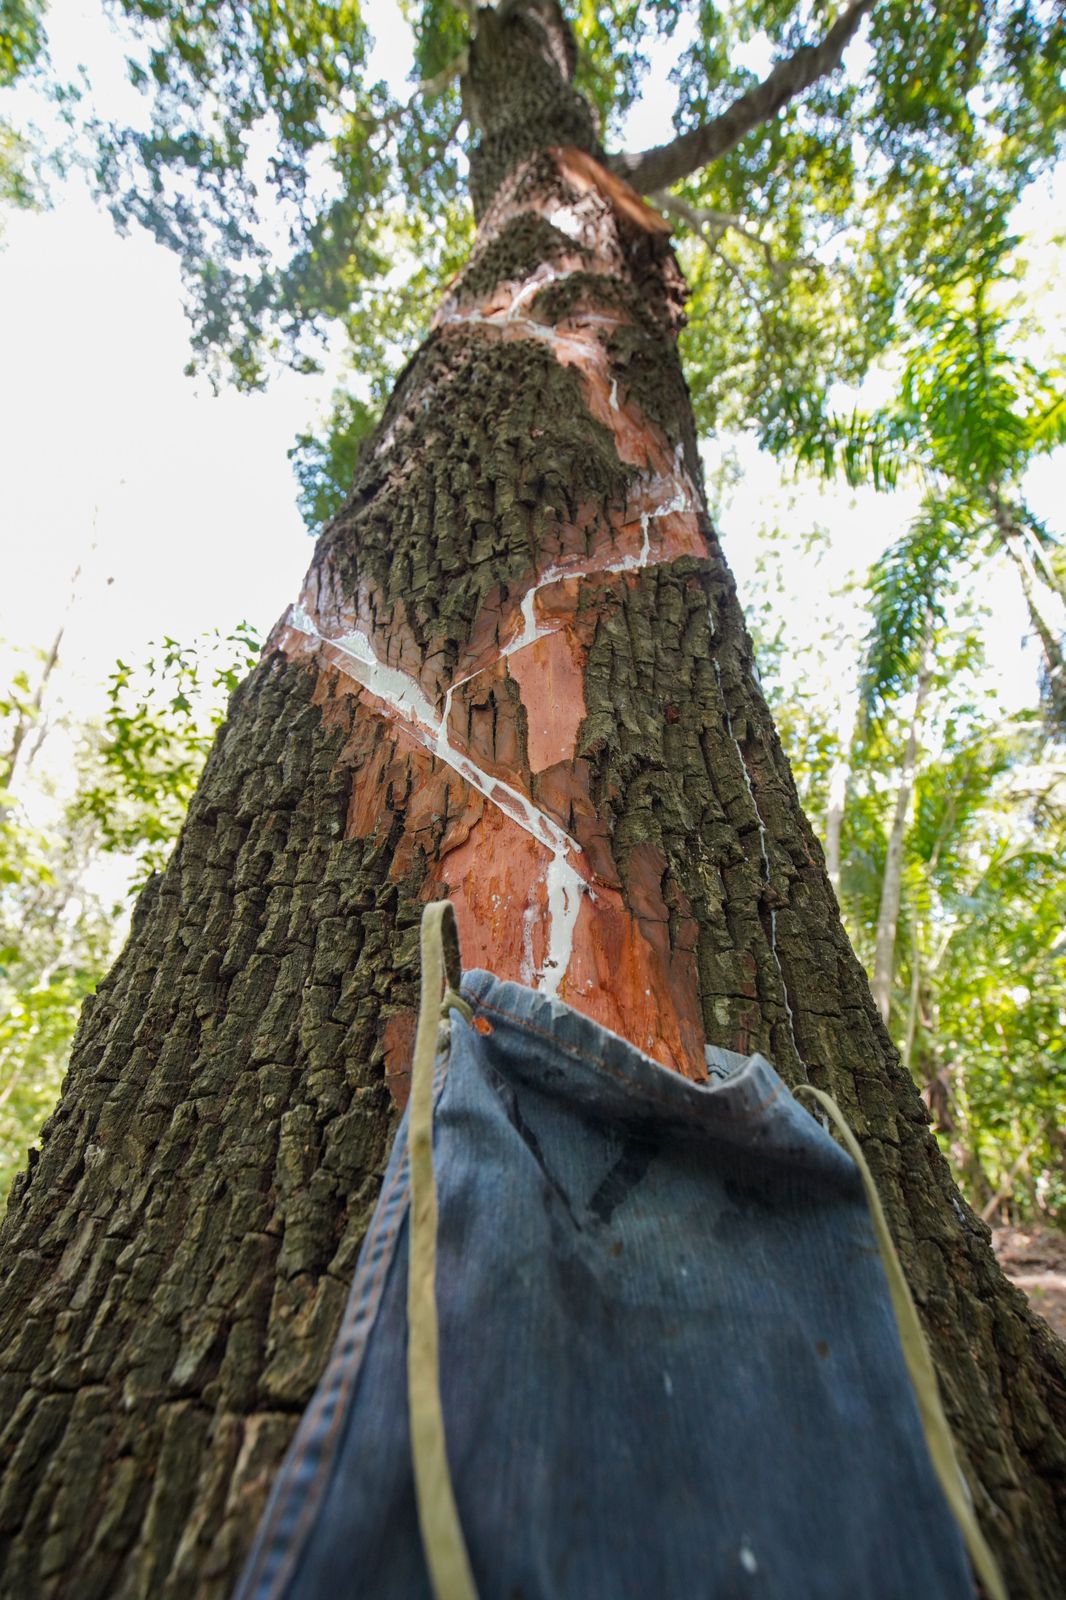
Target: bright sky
[179,506]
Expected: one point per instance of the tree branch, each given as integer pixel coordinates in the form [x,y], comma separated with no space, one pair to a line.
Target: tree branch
[669,163]
[426,89]
[429,88]
[710,225]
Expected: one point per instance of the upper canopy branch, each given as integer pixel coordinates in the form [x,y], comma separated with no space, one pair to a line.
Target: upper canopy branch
[711,224]
[665,164]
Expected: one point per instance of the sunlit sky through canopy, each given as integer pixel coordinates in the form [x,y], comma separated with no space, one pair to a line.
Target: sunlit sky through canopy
[178,506]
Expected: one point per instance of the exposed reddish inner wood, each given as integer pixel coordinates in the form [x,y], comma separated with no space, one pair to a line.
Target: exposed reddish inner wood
[582,169]
[552,684]
[509,713]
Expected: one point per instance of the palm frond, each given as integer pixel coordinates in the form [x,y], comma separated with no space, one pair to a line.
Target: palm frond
[909,587]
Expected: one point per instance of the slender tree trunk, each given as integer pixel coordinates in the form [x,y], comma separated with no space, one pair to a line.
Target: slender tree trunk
[1006,1188]
[892,880]
[1043,601]
[913,1002]
[837,787]
[26,719]
[517,675]
[836,796]
[30,717]
[1054,580]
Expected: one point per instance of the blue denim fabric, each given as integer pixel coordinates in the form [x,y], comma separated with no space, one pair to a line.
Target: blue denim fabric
[669,1366]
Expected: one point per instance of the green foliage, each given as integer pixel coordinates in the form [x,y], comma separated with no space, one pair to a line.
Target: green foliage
[22,48]
[21,38]
[612,42]
[310,206]
[58,927]
[795,674]
[257,100]
[869,191]
[55,941]
[1001,1021]
[978,1006]
[17,185]
[968,408]
[53,938]
[987,963]
[325,466]
[158,729]
[909,585]
[305,200]
[973,75]
[969,415]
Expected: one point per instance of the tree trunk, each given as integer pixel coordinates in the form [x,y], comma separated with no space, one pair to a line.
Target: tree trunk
[517,675]
[892,879]
[27,717]
[837,787]
[1043,601]
[914,999]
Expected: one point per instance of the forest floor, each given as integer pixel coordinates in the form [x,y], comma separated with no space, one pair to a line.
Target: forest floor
[1034,1258]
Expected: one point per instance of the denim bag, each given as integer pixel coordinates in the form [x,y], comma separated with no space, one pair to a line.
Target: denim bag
[668,1363]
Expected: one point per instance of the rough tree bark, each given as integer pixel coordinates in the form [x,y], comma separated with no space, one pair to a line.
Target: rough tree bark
[518,675]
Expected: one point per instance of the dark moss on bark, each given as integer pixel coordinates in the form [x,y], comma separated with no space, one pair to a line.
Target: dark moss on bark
[471,490]
[506,257]
[592,291]
[642,350]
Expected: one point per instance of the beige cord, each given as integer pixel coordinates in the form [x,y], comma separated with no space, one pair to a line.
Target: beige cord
[442,1535]
[938,1435]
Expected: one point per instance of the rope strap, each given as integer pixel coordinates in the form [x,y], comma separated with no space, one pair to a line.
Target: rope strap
[442,1535]
[938,1436]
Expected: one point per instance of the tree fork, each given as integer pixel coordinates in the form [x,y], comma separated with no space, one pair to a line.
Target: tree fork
[518,675]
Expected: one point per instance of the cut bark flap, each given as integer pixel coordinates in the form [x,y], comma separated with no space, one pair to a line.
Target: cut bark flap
[582,169]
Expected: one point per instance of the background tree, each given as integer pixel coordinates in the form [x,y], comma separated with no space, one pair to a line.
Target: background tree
[518,674]
[977,980]
[968,418]
[977,972]
[53,946]
[69,860]
[159,726]
[984,970]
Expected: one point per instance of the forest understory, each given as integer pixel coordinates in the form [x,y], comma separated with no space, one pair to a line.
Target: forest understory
[1034,1259]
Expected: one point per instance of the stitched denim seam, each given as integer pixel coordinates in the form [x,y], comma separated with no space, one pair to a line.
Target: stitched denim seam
[392,1208]
[634,1090]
